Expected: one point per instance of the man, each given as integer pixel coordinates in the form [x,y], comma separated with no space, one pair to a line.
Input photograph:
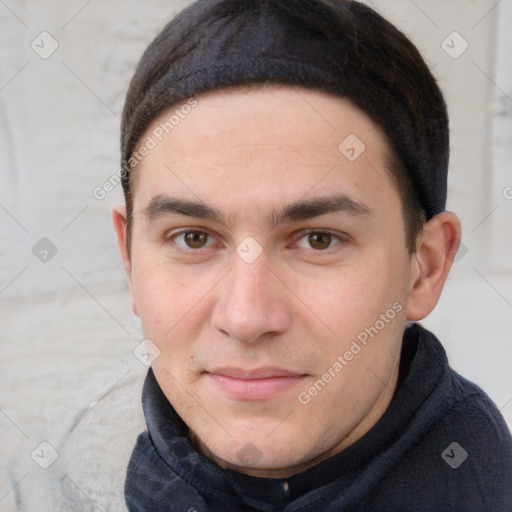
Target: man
[285,180]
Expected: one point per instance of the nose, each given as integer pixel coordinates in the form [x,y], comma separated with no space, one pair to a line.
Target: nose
[252,304]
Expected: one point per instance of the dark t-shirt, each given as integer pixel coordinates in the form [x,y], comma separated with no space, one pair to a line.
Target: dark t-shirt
[441,445]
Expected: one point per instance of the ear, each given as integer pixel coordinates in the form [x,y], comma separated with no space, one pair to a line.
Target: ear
[436,248]
[120,223]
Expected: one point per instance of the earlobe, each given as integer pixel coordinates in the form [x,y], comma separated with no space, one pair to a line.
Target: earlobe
[119,220]
[436,248]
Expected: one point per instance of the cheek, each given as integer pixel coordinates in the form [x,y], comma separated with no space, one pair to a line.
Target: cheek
[161,295]
[174,302]
[350,299]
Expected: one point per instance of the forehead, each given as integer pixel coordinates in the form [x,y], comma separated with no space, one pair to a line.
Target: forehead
[263,144]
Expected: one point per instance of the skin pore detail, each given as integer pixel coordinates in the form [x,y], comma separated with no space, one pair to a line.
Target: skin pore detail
[259,253]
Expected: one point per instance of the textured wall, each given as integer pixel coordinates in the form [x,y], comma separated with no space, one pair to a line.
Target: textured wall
[68,376]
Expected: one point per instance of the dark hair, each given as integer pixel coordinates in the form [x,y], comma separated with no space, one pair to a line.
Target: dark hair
[341,47]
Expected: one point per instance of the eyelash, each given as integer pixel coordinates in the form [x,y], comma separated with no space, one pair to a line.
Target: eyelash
[341,239]
[172,237]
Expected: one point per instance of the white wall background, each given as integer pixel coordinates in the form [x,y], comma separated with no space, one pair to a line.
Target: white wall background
[68,374]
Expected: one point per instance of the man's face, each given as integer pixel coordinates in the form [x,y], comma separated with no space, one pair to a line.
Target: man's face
[269,267]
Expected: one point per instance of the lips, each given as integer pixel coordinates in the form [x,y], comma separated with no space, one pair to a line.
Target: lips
[254,384]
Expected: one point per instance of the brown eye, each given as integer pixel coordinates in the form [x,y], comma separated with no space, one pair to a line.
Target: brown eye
[195,239]
[319,241]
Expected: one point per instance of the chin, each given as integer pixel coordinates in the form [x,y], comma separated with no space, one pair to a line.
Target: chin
[256,452]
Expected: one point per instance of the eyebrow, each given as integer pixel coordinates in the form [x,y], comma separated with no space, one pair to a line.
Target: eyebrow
[161,205]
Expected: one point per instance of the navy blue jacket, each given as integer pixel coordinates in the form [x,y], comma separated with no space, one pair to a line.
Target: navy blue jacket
[442,445]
